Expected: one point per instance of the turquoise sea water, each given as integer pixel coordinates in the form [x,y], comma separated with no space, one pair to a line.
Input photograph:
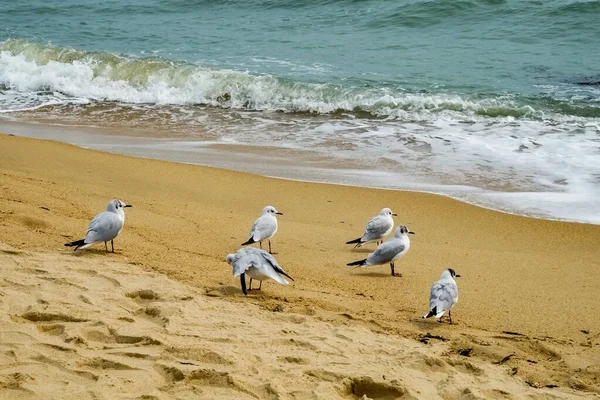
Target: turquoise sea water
[499,96]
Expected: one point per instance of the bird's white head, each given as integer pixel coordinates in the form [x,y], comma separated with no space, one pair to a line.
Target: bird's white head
[402,231]
[271,211]
[386,212]
[230,258]
[117,206]
[449,273]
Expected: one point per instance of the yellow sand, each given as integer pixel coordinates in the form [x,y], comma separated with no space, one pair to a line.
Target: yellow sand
[532,277]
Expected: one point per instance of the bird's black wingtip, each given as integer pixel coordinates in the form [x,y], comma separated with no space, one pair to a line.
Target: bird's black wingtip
[76,243]
[354,241]
[356,263]
[431,313]
[288,276]
[249,241]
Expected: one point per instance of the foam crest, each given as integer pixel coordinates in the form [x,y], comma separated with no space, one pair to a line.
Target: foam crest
[33,69]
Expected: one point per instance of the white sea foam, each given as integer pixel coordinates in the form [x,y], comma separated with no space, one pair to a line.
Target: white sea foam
[576,199]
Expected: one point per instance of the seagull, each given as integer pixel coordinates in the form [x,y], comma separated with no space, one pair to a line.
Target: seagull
[104,227]
[378,227]
[264,227]
[389,251]
[258,264]
[444,295]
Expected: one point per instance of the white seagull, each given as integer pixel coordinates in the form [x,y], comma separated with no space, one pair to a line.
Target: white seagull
[264,228]
[378,227]
[104,227]
[257,264]
[389,251]
[444,295]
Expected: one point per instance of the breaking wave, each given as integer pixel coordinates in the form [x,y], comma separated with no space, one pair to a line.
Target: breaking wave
[34,74]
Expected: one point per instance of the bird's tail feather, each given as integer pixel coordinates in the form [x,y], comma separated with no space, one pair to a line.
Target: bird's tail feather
[85,246]
[431,313]
[280,279]
[357,263]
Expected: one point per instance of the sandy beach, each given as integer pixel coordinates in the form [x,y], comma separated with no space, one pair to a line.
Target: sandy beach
[164,318]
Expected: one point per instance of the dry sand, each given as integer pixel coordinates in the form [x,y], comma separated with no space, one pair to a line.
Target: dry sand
[334,331]
[89,328]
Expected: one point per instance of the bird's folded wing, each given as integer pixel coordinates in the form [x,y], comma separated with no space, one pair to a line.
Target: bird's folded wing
[95,222]
[443,296]
[242,264]
[277,268]
[101,227]
[262,228]
[386,252]
[271,260]
[376,228]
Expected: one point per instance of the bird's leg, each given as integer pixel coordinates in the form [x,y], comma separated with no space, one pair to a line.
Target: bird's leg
[270,247]
[250,288]
[393,272]
[450,317]
[106,246]
[112,245]
[260,286]
[260,244]
[243,282]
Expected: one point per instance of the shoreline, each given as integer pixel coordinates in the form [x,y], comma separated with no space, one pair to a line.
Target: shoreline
[291,164]
[522,275]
